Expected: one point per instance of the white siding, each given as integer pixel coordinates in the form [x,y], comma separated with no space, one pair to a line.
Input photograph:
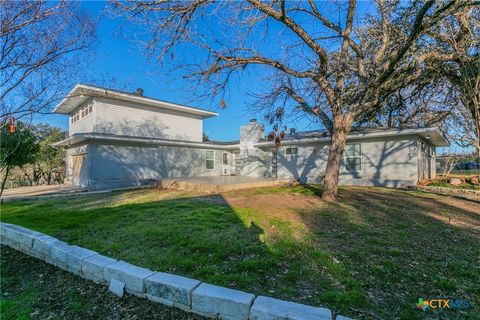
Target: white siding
[120,165]
[85,124]
[116,117]
[251,161]
[308,165]
[426,160]
[388,162]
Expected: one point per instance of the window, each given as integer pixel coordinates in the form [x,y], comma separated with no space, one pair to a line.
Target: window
[225,158]
[353,157]
[90,108]
[210,160]
[291,151]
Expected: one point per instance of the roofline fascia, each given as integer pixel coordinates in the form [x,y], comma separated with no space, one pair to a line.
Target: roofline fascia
[352,136]
[140,99]
[150,141]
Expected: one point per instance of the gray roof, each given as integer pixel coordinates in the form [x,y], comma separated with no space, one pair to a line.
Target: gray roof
[434,135]
[77,138]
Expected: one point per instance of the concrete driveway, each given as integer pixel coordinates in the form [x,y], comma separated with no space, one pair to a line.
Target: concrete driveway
[30,192]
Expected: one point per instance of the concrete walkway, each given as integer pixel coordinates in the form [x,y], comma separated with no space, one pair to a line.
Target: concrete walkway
[28,192]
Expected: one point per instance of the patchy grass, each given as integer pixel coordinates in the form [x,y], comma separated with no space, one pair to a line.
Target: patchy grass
[32,289]
[370,255]
[445,184]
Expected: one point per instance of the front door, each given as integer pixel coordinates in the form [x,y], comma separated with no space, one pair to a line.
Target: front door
[226,164]
[235,163]
[273,162]
[78,170]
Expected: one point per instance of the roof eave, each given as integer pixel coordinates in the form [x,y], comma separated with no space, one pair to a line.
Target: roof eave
[438,139]
[83,137]
[83,92]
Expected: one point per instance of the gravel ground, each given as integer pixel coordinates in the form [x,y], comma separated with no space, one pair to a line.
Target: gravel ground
[32,289]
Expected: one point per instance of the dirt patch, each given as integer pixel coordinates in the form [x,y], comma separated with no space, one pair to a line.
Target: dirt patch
[288,206]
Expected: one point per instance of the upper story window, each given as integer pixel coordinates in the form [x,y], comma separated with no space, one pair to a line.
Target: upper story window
[210,160]
[291,151]
[81,112]
[353,157]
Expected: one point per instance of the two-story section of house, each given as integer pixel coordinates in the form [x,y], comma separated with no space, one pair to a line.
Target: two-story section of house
[117,139]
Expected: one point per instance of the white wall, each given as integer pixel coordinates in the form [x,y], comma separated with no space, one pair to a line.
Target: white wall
[390,162]
[385,162]
[251,161]
[116,117]
[426,160]
[85,124]
[121,165]
[307,166]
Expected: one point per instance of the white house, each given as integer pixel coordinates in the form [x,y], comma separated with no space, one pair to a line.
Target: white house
[119,139]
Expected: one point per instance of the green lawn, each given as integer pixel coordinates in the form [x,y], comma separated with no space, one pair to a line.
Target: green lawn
[370,255]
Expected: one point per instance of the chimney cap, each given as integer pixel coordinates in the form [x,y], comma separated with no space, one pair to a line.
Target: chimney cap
[140,91]
[253,120]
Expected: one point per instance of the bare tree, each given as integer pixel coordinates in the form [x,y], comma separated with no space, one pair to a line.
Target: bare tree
[42,44]
[456,58]
[322,59]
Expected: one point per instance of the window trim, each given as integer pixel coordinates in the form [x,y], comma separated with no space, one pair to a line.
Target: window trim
[346,157]
[207,159]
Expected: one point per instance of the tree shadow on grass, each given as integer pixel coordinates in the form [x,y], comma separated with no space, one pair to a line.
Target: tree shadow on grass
[199,237]
[401,247]
[371,254]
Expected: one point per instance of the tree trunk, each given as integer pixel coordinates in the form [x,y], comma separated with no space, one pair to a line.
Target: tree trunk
[337,146]
[476,118]
[30,183]
[4,180]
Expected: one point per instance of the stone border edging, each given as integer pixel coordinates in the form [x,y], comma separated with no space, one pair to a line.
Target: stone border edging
[176,291]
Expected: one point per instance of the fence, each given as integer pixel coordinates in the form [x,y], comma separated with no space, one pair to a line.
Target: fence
[458,165]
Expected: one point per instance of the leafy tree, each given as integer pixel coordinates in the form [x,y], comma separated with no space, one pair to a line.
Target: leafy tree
[48,157]
[16,149]
[329,61]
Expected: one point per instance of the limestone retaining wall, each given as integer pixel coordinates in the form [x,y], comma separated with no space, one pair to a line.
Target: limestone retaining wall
[188,294]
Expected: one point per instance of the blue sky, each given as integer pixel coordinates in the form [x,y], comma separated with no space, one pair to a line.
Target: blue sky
[119,59]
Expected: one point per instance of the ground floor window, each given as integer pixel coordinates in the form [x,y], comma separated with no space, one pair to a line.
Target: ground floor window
[210,160]
[291,151]
[353,157]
